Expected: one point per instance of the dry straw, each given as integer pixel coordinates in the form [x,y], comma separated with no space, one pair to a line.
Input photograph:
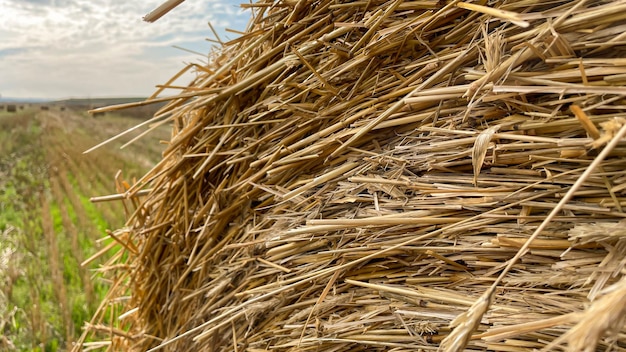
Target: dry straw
[385,175]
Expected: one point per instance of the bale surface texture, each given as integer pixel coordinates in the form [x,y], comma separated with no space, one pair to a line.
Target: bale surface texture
[387,175]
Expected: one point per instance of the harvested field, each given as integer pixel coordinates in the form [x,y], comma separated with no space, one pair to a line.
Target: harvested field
[386,175]
[48,226]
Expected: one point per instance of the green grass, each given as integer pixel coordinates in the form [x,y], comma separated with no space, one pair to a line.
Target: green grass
[8,214]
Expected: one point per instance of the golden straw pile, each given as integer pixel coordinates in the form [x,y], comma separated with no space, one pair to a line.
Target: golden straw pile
[386,175]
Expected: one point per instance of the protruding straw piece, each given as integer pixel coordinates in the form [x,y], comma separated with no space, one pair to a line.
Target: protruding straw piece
[161,10]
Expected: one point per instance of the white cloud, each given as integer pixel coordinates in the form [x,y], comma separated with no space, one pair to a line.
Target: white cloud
[62,48]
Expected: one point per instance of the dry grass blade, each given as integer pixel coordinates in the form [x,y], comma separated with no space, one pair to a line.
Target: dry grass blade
[479,150]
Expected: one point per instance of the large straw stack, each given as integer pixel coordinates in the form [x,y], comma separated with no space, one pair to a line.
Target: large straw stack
[388,175]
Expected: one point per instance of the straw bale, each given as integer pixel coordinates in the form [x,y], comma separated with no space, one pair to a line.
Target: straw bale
[385,175]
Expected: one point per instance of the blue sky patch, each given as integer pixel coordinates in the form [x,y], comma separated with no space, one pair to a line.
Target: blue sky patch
[72,48]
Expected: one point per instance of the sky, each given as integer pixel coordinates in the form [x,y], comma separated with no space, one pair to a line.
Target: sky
[57,49]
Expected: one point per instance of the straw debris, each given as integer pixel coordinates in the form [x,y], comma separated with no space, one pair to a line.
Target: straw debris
[385,175]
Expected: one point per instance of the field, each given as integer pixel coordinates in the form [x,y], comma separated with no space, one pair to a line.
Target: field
[48,226]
